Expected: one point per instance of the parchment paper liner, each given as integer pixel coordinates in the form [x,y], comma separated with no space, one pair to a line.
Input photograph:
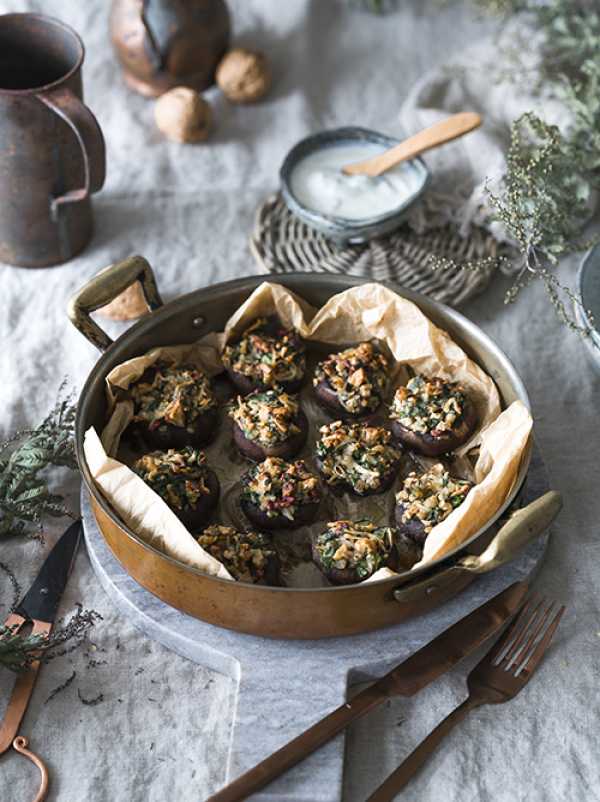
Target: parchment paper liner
[367,312]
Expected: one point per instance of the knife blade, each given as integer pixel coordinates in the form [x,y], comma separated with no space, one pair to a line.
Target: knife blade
[406,679]
[39,606]
[41,601]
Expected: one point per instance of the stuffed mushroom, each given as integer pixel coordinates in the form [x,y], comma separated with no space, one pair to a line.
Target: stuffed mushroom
[248,556]
[266,355]
[351,551]
[427,499]
[280,495]
[357,457]
[174,406]
[352,383]
[184,482]
[268,424]
[432,416]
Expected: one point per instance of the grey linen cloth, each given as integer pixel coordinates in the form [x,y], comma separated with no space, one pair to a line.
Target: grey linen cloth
[162,728]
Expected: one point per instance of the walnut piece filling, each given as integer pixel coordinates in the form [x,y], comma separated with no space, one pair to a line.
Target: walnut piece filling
[245,554]
[358,376]
[177,394]
[278,487]
[360,545]
[428,406]
[267,417]
[356,454]
[430,497]
[267,354]
[179,477]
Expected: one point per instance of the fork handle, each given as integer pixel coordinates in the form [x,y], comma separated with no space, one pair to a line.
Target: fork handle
[399,778]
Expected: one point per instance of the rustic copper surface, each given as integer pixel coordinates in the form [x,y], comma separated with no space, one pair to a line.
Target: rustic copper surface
[411,676]
[273,612]
[20,744]
[167,43]
[17,705]
[52,155]
[520,650]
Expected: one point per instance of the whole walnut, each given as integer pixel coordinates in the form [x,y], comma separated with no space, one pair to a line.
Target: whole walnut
[182,115]
[243,75]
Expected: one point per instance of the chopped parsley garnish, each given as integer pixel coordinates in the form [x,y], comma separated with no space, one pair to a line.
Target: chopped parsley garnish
[429,406]
[244,554]
[360,545]
[267,353]
[358,376]
[176,394]
[431,496]
[179,477]
[268,417]
[277,487]
[356,454]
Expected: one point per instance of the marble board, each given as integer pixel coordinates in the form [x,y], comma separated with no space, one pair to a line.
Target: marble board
[285,686]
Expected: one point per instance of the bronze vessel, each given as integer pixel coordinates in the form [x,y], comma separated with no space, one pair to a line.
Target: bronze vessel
[165,43]
[52,155]
[269,611]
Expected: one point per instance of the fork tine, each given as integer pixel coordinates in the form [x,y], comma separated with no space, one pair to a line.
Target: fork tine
[528,621]
[531,660]
[533,633]
[514,631]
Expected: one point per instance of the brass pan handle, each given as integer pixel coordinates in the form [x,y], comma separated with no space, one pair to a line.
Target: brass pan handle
[521,528]
[103,288]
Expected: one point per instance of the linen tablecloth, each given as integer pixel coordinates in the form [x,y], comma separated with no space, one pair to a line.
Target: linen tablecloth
[162,729]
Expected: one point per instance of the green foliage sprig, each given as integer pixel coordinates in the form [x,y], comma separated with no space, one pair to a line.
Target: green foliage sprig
[18,652]
[25,497]
[544,197]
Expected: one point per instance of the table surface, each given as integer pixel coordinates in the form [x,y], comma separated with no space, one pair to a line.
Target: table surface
[162,729]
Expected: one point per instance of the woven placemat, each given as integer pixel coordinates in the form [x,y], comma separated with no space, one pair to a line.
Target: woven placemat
[282,243]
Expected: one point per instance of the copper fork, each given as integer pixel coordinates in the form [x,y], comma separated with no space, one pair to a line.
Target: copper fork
[498,678]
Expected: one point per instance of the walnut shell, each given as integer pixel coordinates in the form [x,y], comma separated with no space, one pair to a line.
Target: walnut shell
[183,115]
[243,75]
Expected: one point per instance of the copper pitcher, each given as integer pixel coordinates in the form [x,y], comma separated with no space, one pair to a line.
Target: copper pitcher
[167,43]
[52,155]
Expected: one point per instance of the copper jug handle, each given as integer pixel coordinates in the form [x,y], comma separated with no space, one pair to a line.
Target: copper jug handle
[81,121]
[102,288]
[20,744]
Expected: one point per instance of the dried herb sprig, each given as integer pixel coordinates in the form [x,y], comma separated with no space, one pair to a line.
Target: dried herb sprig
[25,497]
[17,651]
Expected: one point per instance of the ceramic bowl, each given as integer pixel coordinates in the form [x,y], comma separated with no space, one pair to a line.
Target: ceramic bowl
[588,286]
[341,229]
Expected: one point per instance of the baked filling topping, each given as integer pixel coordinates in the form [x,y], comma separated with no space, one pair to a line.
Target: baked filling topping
[266,354]
[177,394]
[428,406]
[244,554]
[356,454]
[267,417]
[360,545]
[430,497]
[358,376]
[277,487]
[179,477]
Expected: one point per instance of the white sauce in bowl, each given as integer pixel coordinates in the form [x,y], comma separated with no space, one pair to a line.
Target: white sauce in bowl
[318,183]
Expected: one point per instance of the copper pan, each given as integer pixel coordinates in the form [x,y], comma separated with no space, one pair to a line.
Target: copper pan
[280,612]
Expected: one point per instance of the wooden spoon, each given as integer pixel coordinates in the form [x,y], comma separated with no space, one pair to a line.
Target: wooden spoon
[437,134]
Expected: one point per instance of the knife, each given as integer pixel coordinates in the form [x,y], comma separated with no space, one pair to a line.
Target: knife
[38,607]
[408,678]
